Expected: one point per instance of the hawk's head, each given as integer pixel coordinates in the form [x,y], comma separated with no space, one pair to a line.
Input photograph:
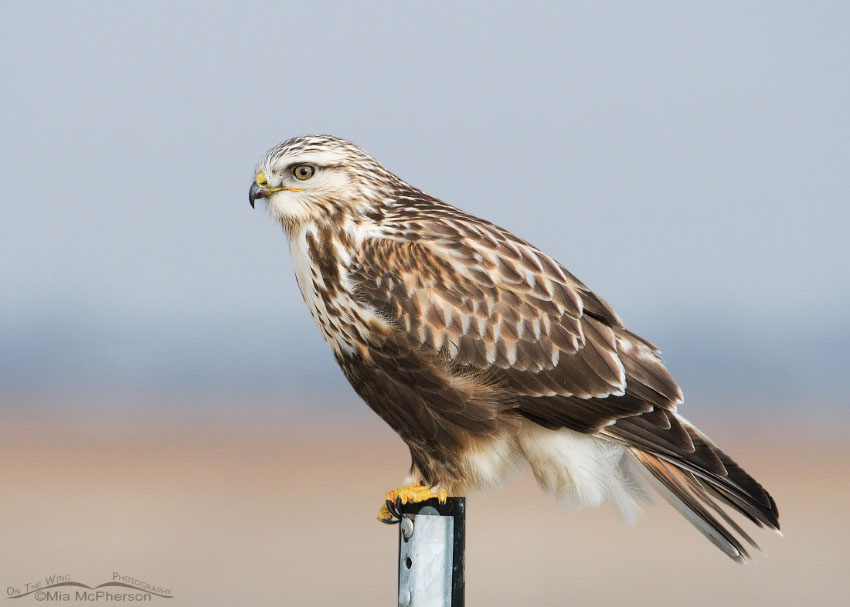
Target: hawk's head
[317,178]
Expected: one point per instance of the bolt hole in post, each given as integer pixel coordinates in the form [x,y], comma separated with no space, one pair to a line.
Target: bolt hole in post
[408,563]
[406,528]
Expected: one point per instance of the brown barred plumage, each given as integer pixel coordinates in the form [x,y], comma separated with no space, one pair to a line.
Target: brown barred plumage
[482,351]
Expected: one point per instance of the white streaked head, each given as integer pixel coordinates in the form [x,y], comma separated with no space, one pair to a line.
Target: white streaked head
[315,179]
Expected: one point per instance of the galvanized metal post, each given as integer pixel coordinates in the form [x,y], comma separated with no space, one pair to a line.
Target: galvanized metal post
[431,542]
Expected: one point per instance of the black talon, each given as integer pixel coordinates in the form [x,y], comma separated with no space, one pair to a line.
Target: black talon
[391,506]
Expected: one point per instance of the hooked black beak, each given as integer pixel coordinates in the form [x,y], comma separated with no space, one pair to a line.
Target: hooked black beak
[256,192]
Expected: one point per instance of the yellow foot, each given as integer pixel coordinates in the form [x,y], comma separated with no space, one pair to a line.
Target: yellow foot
[407,495]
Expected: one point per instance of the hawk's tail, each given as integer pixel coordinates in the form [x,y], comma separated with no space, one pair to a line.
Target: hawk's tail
[697,493]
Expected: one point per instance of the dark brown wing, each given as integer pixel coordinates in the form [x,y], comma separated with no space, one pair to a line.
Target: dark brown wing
[486,301]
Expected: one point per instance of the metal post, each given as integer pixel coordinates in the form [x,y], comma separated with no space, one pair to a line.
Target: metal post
[431,542]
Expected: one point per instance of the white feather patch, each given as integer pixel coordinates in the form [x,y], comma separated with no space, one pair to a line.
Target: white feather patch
[582,470]
[492,463]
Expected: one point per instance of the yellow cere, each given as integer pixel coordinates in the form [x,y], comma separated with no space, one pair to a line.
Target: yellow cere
[263,182]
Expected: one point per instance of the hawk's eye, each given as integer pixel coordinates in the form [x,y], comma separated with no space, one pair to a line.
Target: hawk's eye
[303,172]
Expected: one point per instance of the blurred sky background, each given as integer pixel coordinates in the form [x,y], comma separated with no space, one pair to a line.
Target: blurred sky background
[689,161]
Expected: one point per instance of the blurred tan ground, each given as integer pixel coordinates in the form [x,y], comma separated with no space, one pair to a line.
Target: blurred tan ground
[274,511]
